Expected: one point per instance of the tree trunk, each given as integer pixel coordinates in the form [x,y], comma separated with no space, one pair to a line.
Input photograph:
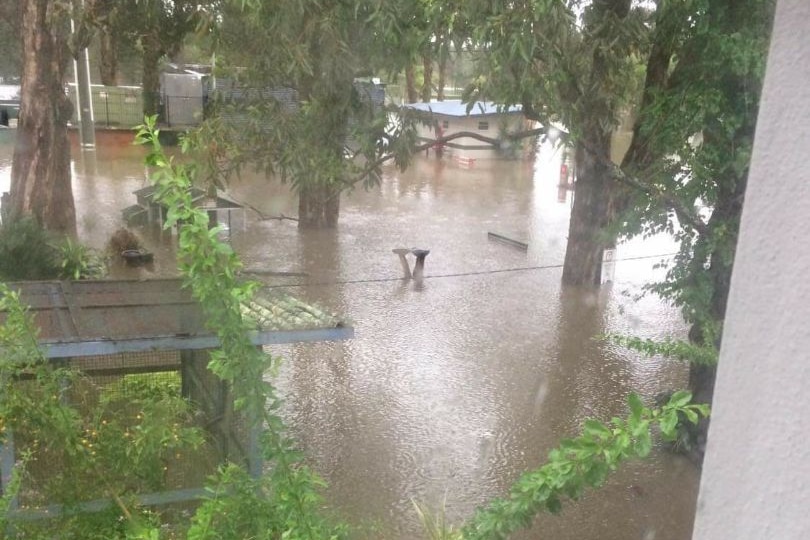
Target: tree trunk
[427,81]
[318,207]
[725,221]
[723,227]
[151,80]
[443,55]
[593,192]
[410,84]
[328,122]
[108,57]
[40,172]
[595,188]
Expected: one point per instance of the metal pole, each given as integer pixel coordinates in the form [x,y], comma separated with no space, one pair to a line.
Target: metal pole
[84,100]
[7,460]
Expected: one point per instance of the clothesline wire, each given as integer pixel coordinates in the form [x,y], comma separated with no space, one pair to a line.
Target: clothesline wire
[452,275]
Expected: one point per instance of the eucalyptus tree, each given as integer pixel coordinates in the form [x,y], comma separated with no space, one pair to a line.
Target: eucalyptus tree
[688,163]
[40,172]
[295,107]
[575,63]
[106,17]
[156,29]
[685,171]
[444,29]
[10,53]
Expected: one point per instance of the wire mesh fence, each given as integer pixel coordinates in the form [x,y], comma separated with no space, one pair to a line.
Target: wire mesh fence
[118,398]
[123,107]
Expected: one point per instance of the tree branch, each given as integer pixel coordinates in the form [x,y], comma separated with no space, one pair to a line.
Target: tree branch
[443,140]
[687,215]
[262,215]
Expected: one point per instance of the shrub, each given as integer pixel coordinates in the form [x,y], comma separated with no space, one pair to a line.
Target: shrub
[122,240]
[78,261]
[27,252]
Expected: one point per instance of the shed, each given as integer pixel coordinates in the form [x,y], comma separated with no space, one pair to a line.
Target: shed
[9,102]
[182,96]
[111,329]
[443,118]
[220,208]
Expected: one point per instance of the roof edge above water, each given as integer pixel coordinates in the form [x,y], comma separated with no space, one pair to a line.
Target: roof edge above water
[454,107]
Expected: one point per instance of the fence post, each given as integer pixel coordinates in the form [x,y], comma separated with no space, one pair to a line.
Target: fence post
[7,465]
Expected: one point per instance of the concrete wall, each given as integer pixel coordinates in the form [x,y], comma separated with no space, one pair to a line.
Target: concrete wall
[756,478]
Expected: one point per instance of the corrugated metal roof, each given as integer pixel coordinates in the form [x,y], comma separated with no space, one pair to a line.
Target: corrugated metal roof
[454,107]
[87,318]
[199,197]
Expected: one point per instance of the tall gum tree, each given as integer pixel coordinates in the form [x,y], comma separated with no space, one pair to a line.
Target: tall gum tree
[40,172]
[686,168]
[157,28]
[296,109]
[691,148]
[10,57]
[575,67]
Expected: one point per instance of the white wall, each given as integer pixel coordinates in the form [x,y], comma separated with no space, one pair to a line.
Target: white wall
[512,122]
[756,478]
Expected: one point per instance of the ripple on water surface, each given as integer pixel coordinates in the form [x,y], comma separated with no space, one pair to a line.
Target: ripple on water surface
[452,388]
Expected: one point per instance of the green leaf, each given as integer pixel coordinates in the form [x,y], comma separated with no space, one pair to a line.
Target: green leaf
[643,444]
[597,429]
[636,406]
[669,424]
[680,398]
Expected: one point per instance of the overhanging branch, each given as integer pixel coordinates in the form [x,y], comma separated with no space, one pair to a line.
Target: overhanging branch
[686,214]
[373,166]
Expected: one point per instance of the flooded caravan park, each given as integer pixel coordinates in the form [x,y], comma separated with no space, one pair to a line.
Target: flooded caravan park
[454,386]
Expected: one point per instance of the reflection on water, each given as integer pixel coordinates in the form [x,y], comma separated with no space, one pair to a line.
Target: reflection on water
[451,389]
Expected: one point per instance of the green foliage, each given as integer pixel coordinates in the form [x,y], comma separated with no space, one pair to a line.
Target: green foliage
[323,135]
[118,448]
[29,252]
[10,53]
[147,387]
[26,251]
[10,490]
[435,524]
[80,262]
[288,496]
[703,354]
[694,138]
[580,463]
[580,69]
[240,506]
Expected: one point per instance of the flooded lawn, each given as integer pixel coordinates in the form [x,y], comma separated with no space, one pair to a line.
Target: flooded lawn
[454,386]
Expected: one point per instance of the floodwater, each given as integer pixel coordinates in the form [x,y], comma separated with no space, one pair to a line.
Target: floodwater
[453,387]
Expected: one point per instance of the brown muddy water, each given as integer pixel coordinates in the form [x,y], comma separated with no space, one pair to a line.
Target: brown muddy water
[454,386]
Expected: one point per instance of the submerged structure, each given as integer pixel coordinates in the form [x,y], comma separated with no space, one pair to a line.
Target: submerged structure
[113,332]
[446,118]
[220,209]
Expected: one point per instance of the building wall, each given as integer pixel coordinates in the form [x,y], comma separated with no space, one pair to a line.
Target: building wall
[756,477]
[454,124]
